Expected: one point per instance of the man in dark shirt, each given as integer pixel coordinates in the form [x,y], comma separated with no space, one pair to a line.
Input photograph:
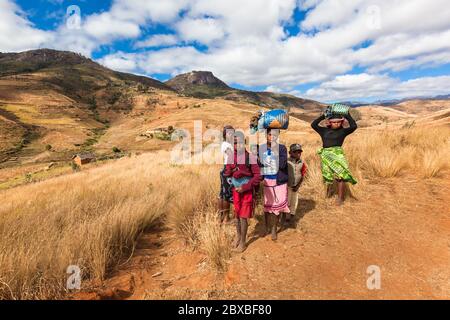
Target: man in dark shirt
[334,165]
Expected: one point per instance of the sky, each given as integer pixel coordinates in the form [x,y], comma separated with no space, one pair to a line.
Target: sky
[327,50]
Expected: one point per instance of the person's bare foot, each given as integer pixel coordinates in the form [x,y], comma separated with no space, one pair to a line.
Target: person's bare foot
[240,248]
[339,202]
[274,235]
[237,242]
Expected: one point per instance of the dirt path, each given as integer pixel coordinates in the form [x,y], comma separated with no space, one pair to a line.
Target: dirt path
[401,225]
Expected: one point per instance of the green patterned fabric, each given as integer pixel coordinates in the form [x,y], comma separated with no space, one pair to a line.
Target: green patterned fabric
[334,165]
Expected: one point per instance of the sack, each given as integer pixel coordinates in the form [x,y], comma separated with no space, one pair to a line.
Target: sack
[237,183]
[273,119]
[276,119]
[337,109]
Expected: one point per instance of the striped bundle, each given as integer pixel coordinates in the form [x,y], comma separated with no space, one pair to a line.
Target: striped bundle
[337,109]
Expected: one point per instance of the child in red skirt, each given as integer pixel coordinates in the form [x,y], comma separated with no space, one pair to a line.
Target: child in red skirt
[245,176]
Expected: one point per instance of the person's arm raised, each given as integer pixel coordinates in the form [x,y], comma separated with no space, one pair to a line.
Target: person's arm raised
[353,124]
[315,123]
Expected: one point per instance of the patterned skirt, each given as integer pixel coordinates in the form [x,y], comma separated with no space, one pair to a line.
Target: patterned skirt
[335,166]
[275,197]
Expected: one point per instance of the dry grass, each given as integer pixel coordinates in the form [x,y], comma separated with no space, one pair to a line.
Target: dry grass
[94,218]
[91,219]
[388,153]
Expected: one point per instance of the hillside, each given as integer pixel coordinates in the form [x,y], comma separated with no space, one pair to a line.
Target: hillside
[56,103]
[204,85]
[61,100]
[144,227]
[433,111]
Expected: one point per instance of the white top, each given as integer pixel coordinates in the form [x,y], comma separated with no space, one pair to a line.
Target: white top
[224,148]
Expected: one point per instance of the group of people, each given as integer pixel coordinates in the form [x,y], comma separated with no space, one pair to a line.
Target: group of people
[281,174]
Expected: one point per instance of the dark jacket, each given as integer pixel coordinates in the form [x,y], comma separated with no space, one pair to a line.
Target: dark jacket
[248,168]
[282,175]
[331,137]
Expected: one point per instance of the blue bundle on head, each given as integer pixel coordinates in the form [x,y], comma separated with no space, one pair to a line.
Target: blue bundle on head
[273,119]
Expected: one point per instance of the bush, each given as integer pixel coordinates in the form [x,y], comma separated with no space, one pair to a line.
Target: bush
[116,150]
[48,147]
[75,167]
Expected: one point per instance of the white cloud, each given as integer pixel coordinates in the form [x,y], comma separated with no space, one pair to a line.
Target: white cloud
[273,89]
[202,30]
[158,40]
[16,32]
[119,61]
[366,87]
[106,27]
[253,49]
[247,43]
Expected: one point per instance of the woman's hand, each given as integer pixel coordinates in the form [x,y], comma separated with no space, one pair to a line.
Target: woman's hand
[239,189]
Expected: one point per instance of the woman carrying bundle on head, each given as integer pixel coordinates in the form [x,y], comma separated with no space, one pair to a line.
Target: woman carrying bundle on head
[334,164]
[274,161]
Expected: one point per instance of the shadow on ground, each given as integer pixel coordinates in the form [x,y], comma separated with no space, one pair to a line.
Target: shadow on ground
[304,207]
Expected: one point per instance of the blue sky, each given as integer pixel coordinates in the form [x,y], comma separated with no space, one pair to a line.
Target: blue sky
[328,50]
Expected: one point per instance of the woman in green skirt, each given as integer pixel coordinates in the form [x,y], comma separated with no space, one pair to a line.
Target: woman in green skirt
[334,165]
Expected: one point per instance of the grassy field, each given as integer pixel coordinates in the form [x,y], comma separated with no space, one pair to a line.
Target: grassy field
[93,218]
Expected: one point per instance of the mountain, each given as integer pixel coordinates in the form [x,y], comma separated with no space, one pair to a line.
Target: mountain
[68,70]
[62,99]
[57,103]
[204,85]
[395,102]
[194,81]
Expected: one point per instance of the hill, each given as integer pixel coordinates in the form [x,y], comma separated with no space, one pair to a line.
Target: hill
[204,85]
[67,103]
[54,104]
[61,99]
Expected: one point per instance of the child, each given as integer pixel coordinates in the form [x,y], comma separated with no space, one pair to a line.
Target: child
[297,171]
[245,176]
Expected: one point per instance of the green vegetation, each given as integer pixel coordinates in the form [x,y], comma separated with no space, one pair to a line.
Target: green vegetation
[165,136]
[90,142]
[75,167]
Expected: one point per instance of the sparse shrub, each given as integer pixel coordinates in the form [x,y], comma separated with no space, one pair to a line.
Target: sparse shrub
[214,239]
[48,147]
[28,177]
[435,162]
[116,150]
[75,167]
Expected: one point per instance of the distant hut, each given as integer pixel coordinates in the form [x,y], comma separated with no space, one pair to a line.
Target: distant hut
[83,158]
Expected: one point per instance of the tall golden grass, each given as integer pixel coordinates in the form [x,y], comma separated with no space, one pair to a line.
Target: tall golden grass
[389,153]
[93,218]
[381,154]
